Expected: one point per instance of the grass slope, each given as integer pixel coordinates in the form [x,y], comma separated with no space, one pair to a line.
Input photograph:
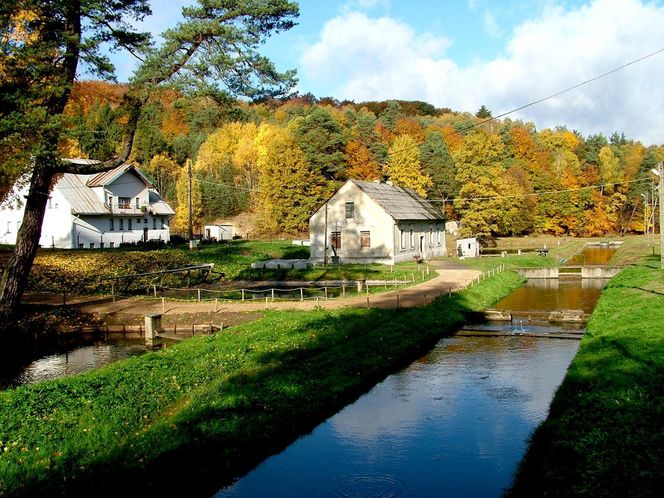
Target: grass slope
[189,418]
[605,433]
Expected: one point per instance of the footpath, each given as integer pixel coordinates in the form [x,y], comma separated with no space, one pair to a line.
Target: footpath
[450,277]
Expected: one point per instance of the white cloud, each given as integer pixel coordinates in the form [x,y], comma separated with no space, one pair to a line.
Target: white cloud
[364,58]
[491,25]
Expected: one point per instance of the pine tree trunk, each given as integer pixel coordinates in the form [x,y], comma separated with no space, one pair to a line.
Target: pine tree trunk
[15,277]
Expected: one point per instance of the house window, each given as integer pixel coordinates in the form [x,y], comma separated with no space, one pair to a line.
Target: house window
[101,245]
[404,236]
[129,224]
[111,245]
[336,240]
[412,239]
[154,223]
[121,224]
[164,224]
[431,242]
[365,240]
[137,203]
[92,245]
[350,210]
[112,224]
[81,245]
[145,221]
[123,202]
[438,235]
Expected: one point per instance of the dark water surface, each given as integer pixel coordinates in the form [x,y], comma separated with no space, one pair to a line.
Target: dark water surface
[72,361]
[454,423]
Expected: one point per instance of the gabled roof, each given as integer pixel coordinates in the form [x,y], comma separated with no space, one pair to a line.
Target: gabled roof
[108,177]
[400,203]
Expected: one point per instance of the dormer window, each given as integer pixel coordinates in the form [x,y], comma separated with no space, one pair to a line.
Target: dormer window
[350,210]
[124,202]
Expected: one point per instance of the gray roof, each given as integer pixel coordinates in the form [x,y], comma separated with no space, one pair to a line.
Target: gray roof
[107,177]
[400,203]
[158,205]
[80,197]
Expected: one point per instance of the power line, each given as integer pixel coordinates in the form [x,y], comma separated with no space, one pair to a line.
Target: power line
[538,101]
[538,194]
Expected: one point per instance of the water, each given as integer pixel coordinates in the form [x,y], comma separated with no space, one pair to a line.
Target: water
[72,361]
[454,423]
[554,294]
[599,254]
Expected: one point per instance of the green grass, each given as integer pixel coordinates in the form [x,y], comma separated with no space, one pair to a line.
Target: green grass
[605,433]
[187,419]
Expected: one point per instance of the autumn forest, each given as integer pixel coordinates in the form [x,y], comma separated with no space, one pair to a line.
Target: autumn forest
[281,158]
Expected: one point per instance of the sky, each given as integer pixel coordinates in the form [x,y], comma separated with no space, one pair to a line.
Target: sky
[462,54]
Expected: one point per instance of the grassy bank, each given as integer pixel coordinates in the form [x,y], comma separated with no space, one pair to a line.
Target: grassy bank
[187,419]
[604,435]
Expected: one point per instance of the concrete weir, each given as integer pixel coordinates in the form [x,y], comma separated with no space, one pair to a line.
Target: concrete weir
[557,316]
[570,272]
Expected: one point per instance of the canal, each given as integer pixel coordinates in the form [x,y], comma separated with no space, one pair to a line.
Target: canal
[454,423]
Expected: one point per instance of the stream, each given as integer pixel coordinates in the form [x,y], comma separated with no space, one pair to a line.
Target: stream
[454,423]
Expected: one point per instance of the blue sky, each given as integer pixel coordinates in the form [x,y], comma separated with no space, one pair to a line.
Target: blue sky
[465,53]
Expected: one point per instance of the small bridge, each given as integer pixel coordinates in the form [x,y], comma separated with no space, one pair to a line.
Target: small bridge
[570,272]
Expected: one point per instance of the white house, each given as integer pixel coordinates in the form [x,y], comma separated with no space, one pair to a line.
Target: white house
[95,211]
[468,248]
[375,222]
[218,232]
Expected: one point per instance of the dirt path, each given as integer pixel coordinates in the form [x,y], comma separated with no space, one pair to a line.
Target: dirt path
[448,279]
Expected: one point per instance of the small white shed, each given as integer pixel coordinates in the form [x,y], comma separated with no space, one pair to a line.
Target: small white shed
[218,232]
[468,248]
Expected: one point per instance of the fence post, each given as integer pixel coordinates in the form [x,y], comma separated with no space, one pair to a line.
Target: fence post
[301,294]
[272,294]
[216,304]
[343,291]
[154,288]
[359,286]
[113,290]
[412,277]
[199,295]
[163,305]
[368,302]
[397,299]
[325,289]
[242,295]
[265,302]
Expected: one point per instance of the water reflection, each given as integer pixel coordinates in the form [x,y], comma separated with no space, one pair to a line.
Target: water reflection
[554,294]
[594,255]
[73,361]
[463,411]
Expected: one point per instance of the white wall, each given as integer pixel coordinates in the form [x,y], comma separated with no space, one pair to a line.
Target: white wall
[429,235]
[368,216]
[468,248]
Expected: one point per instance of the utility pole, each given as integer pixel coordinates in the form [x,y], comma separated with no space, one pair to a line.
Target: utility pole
[191,228]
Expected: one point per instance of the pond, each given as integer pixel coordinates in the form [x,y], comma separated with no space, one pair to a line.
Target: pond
[454,423]
[71,361]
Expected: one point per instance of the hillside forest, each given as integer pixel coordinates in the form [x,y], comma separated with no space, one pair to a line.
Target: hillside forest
[280,159]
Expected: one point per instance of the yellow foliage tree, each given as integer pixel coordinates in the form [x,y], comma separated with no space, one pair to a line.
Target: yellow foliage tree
[180,222]
[403,165]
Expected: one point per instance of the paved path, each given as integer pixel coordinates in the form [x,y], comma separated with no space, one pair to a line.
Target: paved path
[448,279]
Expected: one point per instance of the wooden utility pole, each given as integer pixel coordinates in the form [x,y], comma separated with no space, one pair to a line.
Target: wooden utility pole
[191,228]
